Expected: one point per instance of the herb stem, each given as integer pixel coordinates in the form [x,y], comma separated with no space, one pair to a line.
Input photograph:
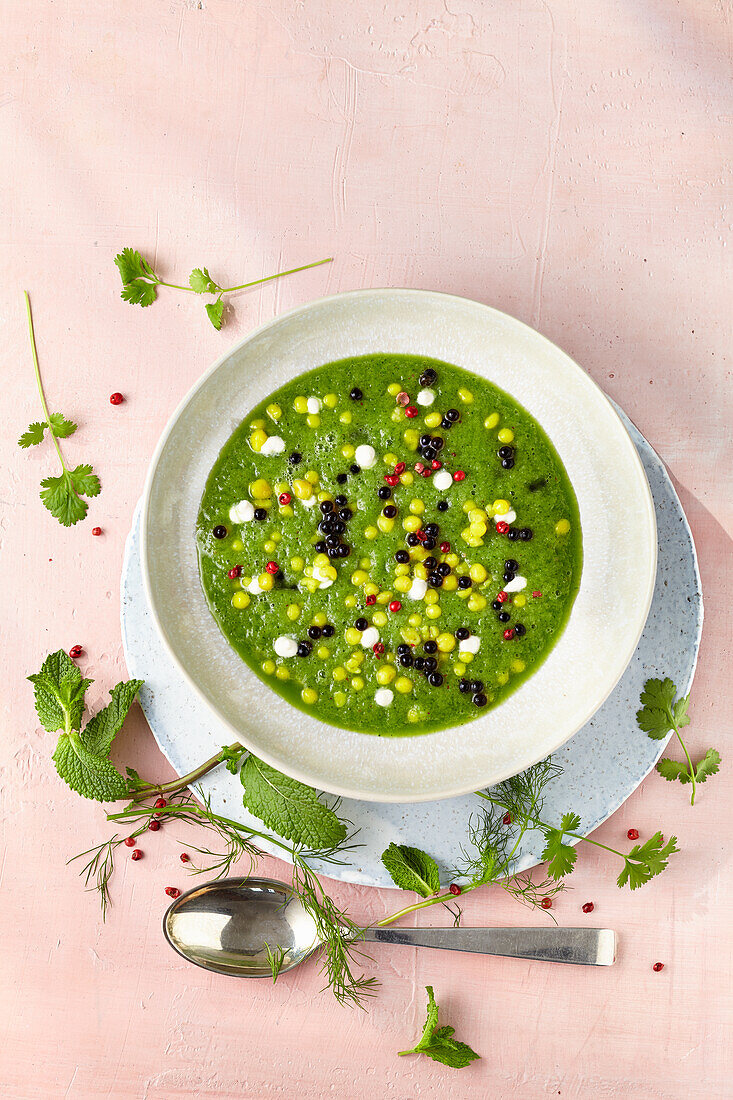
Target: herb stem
[269,278]
[39,383]
[175,786]
[444,895]
[690,767]
[173,286]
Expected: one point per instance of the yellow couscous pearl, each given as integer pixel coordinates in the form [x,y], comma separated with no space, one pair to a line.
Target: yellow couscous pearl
[302,489]
[446,643]
[452,560]
[312,477]
[379,618]
[321,560]
[431,596]
[286,510]
[348,450]
[450,584]
[257,439]
[385,524]
[468,505]
[275,536]
[330,573]
[401,570]
[296,564]
[393,389]
[477,515]
[403,685]
[274,412]
[313,420]
[293,611]
[266,582]
[459,668]
[411,523]
[370,532]
[477,572]
[300,405]
[402,584]
[359,577]
[562,527]
[410,636]
[396,415]
[389,459]
[411,438]
[319,619]
[365,563]
[350,601]
[477,529]
[330,400]
[258,424]
[476,601]
[417,506]
[357,683]
[502,677]
[339,673]
[352,635]
[420,572]
[501,507]
[339,698]
[237,544]
[506,435]
[432,420]
[268,667]
[308,695]
[415,619]
[465,656]
[492,420]
[385,674]
[352,665]
[282,673]
[260,489]
[346,417]
[240,600]
[371,588]
[433,612]
[517,665]
[270,547]
[465,395]
[520,599]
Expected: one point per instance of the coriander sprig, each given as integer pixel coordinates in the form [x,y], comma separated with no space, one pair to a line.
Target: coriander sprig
[62,495]
[140,282]
[662,712]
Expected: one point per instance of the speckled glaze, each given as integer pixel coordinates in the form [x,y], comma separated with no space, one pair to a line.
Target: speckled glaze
[603,763]
[616,515]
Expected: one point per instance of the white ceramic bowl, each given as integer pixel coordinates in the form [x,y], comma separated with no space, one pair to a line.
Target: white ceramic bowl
[617,518]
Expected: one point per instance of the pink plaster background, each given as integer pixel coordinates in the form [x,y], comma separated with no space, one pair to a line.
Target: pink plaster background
[568,163]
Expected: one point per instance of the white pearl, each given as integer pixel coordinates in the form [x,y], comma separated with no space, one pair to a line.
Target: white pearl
[365,456]
[418,589]
[314,404]
[426,397]
[285,646]
[383,697]
[242,512]
[370,637]
[273,445]
[442,480]
[516,585]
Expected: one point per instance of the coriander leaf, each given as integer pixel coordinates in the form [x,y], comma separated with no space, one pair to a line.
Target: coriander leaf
[59,693]
[131,265]
[85,482]
[57,493]
[102,728]
[86,773]
[32,435]
[438,1042]
[60,426]
[708,766]
[560,857]
[658,715]
[139,293]
[673,769]
[412,869]
[215,312]
[647,860]
[201,282]
[288,807]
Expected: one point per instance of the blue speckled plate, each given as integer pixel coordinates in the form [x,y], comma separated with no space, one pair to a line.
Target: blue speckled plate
[602,764]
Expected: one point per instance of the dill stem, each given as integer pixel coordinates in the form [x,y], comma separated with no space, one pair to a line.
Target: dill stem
[39,383]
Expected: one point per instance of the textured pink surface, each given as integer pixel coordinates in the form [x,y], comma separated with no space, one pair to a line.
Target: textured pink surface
[563,162]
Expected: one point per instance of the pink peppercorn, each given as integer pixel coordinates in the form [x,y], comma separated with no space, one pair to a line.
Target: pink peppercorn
[503,597]
[185,857]
[272,567]
[96,530]
[508,634]
[153,825]
[426,472]
[459,475]
[418,467]
[160,803]
[657,967]
[588,907]
[445,547]
[391,479]
[402,398]
[130,841]
[502,527]
[395,605]
[435,465]
[455,889]
[75,651]
[378,649]
[536,595]
[136,854]
[546,903]
[400,468]
[285,498]
[633,834]
[172,892]
[234,572]
[116,399]
[370,601]
[507,819]
[411,411]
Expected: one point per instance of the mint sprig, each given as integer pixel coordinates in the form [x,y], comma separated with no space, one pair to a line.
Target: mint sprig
[662,712]
[289,808]
[140,282]
[438,1042]
[412,869]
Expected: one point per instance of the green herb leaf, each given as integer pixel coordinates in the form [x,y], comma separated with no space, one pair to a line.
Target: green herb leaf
[59,693]
[288,807]
[86,773]
[102,728]
[660,713]
[139,293]
[60,426]
[412,869]
[708,766]
[559,856]
[673,769]
[139,281]
[647,860]
[438,1042]
[32,435]
[215,312]
[202,283]
[62,494]
[231,757]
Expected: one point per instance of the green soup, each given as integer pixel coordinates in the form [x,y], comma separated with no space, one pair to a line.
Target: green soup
[390,543]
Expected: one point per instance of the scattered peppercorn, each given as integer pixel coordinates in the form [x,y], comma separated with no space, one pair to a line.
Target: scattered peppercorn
[172,892]
[314,632]
[136,854]
[153,825]
[185,857]
[507,819]
[657,967]
[160,803]
[508,634]
[96,530]
[234,572]
[455,889]
[526,534]
[546,903]
[116,399]
[370,600]
[75,651]
[389,511]
[462,633]
[402,557]
[356,394]
[341,478]
[430,647]
[130,841]
[464,686]
[633,834]
[459,475]
[588,907]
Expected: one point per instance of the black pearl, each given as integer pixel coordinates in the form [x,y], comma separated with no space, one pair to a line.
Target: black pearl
[405,660]
[314,632]
[294,458]
[425,440]
[519,630]
[260,514]
[428,544]
[435,580]
[412,539]
[462,633]
[340,500]
[356,394]
[429,664]
[496,605]
[429,453]
[420,663]
[442,505]
[430,647]
[507,463]
[326,526]
[479,699]
[505,452]
[354,468]
[334,551]
[431,529]
[513,534]
[402,557]
[428,377]
[435,679]
[403,648]
[328,631]
[344,550]
[526,534]
[464,686]
[220,531]
[437,442]
[445,424]
[345,514]
[361,624]
[512,565]
[384,493]
[453,415]
[326,506]
[477,685]
[390,511]
[304,649]
[338,526]
[332,540]
[464,582]
[430,564]
[320,547]
[443,568]
[509,575]
[503,616]
[341,479]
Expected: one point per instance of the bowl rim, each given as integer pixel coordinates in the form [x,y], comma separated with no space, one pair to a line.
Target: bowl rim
[296,772]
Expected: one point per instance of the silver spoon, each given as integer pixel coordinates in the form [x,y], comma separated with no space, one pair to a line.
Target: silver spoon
[225,926]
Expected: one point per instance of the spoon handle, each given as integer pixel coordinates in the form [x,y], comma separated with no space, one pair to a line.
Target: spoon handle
[587,946]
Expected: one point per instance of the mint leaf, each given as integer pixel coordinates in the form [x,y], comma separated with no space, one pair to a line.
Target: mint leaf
[32,435]
[86,773]
[708,766]
[60,426]
[102,728]
[289,808]
[412,869]
[438,1042]
[201,282]
[59,693]
[215,312]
